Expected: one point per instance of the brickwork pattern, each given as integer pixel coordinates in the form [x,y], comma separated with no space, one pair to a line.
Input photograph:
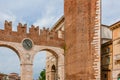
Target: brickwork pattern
[96,44]
[82,37]
[39,36]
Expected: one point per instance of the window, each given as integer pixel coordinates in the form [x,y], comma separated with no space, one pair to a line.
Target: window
[108,60]
[108,50]
[53,68]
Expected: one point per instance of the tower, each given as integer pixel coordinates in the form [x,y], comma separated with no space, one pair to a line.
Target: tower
[82,37]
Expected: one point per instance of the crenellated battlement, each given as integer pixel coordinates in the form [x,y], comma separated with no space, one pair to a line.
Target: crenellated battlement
[8,25]
[43,36]
[34,30]
[22,29]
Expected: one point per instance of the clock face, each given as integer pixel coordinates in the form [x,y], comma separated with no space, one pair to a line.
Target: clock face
[27,44]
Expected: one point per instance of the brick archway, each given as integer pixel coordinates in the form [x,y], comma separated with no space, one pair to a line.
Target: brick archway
[42,39]
[27,57]
[58,53]
[12,47]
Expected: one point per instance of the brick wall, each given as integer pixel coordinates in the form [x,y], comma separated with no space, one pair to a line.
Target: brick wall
[38,36]
[82,37]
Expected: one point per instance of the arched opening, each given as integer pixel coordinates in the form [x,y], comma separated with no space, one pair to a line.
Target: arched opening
[118,77]
[53,68]
[53,71]
[45,60]
[9,63]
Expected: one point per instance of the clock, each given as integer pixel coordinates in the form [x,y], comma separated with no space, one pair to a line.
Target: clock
[27,44]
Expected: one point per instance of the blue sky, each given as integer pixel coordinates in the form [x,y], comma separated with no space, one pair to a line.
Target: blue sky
[37,12]
[7,59]
[43,13]
[110,11]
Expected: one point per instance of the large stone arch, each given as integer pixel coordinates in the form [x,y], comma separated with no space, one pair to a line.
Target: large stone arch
[27,56]
[57,52]
[25,63]
[12,47]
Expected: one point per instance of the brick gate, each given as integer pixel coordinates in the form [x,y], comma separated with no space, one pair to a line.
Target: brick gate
[27,45]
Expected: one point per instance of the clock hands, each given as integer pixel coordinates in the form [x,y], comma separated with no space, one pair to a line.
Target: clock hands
[27,44]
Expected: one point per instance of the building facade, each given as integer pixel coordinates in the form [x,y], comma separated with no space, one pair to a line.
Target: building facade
[106,53]
[116,50]
[110,54]
[51,70]
[106,61]
[11,76]
[51,60]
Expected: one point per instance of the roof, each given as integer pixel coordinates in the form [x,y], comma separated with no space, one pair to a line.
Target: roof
[56,25]
[105,25]
[107,43]
[2,74]
[106,32]
[115,25]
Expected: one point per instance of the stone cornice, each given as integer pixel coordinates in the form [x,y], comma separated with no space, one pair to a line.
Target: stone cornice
[115,25]
[107,43]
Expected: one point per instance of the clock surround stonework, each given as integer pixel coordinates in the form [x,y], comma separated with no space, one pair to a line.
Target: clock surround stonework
[27,44]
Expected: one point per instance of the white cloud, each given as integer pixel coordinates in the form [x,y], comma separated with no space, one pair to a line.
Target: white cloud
[36,12]
[110,11]
[51,14]
[6,16]
[46,22]
[11,64]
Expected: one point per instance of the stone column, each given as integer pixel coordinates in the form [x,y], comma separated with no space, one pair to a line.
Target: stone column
[26,67]
[26,72]
[61,74]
